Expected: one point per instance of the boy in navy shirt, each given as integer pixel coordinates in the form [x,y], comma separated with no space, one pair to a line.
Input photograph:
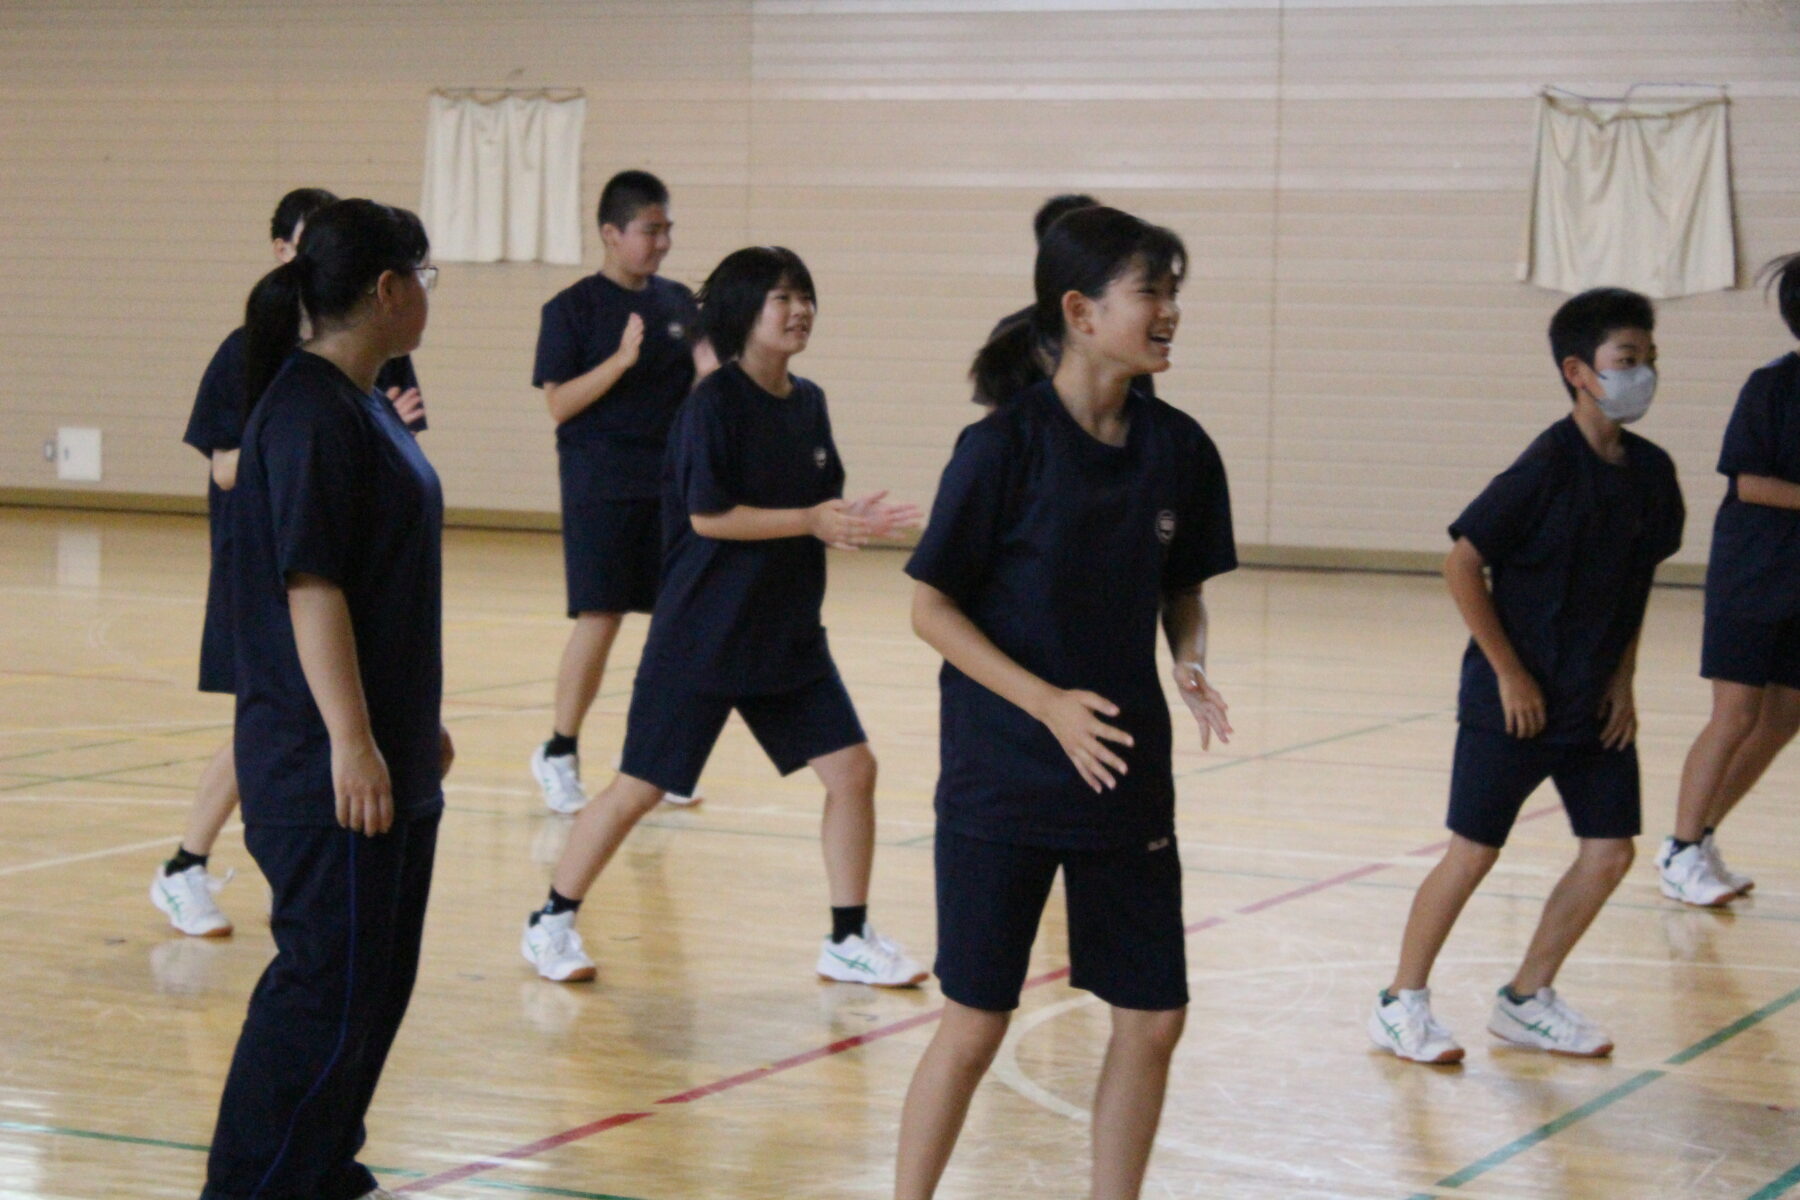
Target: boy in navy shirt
[753,496]
[1751,650]
[1571,534]
[181,887]
[615,362]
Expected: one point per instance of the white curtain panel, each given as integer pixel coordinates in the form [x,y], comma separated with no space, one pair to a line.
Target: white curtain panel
[1634,194]
[503,178]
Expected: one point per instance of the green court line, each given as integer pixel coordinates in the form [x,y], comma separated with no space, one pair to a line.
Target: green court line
[396,1172]
[1608,1098]
[1777,1187]
[64,749]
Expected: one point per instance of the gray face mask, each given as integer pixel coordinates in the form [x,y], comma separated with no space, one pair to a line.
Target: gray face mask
[1628,393]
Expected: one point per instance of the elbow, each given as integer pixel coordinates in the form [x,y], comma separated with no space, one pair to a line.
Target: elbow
[705,525]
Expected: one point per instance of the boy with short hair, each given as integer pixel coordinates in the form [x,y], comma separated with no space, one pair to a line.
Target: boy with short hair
[1571,533]
[615,363]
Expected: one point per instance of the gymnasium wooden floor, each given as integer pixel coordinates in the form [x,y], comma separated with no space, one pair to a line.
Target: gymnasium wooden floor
[708,1063]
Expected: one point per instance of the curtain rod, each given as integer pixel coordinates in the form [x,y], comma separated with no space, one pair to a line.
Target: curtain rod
[1720,88]
[502,90]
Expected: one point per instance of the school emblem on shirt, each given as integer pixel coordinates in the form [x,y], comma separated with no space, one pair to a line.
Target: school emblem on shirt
[677,330]
[820,458]
[1165,526]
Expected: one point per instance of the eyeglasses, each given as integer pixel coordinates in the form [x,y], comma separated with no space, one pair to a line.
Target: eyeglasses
[427,277]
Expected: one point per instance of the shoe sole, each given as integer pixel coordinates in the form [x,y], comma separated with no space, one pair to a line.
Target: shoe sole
[210,933]
[915,981]
[578,975]
[1447,1058]
[1673,894]
[1602,1052]
[674,801]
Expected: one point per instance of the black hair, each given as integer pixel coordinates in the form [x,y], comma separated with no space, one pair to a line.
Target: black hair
[1582,325]
[1083,251]
[1782,276]
[297,206]
[627,194]
[1059,206]
[344,250]
[732,297]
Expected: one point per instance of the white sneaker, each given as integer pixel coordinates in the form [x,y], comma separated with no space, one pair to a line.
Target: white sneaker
[1405,1028]
[1738,883]
[560,779]
[1689,876]
[681,801]
[1544,1022]
[871,958]
[551,944]
[187,898]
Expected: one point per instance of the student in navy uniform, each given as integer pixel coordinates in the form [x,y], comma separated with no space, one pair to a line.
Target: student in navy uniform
[1051,211]
[1751,650]
[752,496]
[615,360]
[337,522]
[1069,524]
[1571,534]
[181,887]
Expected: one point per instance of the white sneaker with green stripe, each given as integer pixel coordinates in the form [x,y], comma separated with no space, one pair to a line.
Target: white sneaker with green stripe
[1544,1022]
[1403,1026]
[871,958]
[1736,881]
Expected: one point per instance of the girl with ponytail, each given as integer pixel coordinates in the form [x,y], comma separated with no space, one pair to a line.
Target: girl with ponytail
[1070,522]
[340,756]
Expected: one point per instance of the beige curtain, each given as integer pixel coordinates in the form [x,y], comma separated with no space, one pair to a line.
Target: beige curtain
[503,178]
[1633,194]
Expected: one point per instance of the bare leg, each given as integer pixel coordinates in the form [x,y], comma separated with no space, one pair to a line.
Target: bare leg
[1777,721]
[1439,902]
[1736,709]
[1128,1103]
[937,1101]
[848,828]
[214,802]
[599,830]
[583,666]
[1574,902]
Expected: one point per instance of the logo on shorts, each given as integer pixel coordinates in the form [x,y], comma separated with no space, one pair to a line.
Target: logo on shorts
[1165,526]
[1158,844]
[820,457]
[677,330]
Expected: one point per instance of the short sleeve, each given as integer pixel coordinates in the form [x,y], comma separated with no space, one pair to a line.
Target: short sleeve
[314,454]
[558,347]
[962,537]
[702,457]
[217,422]
[399,373]
[1503,517]
[1670,514]
[1750,445]
[1204,544]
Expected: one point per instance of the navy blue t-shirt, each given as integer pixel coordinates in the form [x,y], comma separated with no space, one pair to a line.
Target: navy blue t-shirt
[217,423]
[619,437]
[332,484]
[1571,542]
[741,618]
[1754,571]
[1061,549]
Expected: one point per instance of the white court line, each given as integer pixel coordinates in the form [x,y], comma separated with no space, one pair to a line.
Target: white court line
[45,864]
[149,801]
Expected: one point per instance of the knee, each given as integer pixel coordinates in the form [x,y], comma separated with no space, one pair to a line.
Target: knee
[1151,1033]
[1737,717]
[971,1038]
[631,799]
[1783,720]
[1469,860]
[856,773]
[1611,858]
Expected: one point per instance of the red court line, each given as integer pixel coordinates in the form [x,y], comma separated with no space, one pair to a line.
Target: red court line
[433,1182]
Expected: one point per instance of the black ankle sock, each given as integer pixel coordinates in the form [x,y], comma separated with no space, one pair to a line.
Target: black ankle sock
[1512,996]
[183,860]
[1706,833]
[1387,997]
[1679,846]
[560,744]
[848,921]
[556,905]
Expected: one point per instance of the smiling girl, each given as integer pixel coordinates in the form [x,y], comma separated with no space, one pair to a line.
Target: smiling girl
[752,496]
[1068,524]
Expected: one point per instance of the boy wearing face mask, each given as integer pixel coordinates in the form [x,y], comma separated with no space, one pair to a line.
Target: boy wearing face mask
[1571,535]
